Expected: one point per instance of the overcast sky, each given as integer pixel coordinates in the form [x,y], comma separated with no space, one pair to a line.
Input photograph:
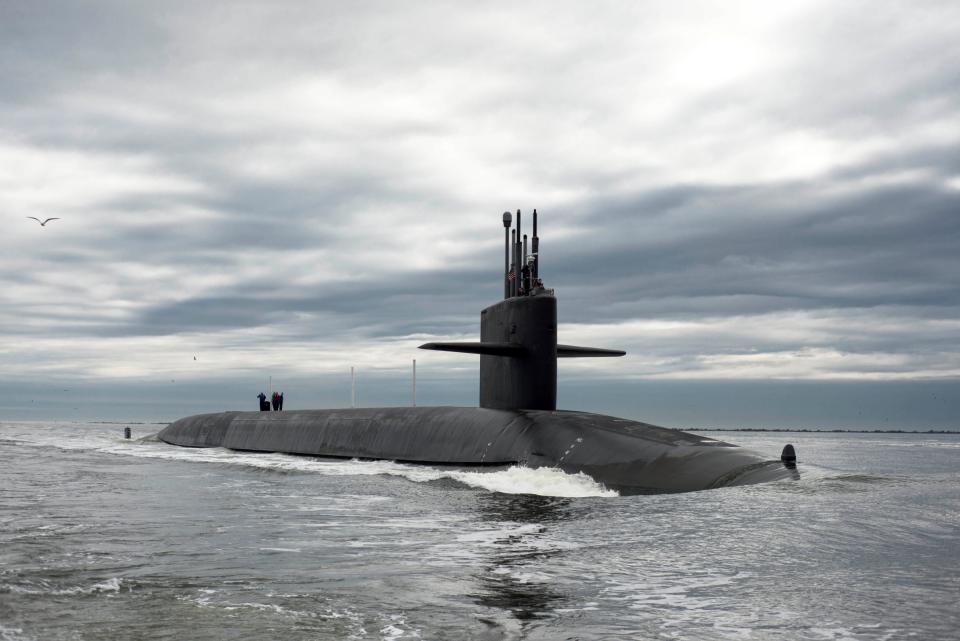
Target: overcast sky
[731,192]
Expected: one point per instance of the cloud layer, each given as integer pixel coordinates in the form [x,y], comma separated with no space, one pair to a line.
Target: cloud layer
[726,191]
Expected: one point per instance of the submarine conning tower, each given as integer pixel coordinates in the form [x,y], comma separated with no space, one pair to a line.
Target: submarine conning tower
[518,335]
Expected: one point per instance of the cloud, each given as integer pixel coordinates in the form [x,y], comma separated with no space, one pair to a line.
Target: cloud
[726,192]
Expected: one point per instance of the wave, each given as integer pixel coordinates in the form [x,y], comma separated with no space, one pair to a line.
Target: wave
[516,479]
[542,481]
[391,627]
[110,585]
[12,634]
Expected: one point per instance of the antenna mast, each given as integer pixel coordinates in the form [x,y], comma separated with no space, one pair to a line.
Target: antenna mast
[507,219]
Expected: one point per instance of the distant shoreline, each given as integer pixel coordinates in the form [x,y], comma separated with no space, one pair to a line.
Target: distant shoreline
[818,431]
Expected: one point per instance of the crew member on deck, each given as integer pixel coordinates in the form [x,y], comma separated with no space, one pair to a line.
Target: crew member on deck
[264,407]
[275,399]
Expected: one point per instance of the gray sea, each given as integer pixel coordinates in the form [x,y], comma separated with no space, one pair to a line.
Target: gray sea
[105,538]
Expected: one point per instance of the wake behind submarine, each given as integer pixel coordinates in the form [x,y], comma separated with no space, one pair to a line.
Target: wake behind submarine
[517,422]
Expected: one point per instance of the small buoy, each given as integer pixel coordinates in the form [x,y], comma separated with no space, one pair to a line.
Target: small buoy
[788,455]
[126,432]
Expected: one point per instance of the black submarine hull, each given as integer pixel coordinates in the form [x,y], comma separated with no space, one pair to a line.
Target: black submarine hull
[517,422]
[629,456]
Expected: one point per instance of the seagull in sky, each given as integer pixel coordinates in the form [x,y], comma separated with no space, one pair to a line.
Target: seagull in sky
[43,223]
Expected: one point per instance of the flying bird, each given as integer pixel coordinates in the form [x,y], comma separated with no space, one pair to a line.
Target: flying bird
[43,223]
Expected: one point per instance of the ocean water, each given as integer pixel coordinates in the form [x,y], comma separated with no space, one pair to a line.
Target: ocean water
[104,538]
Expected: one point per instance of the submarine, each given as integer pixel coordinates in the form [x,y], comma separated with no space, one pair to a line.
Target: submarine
[517,421]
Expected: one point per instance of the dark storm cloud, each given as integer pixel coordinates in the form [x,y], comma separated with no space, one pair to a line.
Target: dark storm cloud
[45,46]
[679,252]
[394,306]
[766,248]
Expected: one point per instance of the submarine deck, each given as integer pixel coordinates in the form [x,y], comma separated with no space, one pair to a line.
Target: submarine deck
[617,452]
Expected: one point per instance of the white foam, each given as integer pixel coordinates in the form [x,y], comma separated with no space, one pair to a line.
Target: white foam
[394,632]
[110,585]
[391,632]
[545,481]
[12,634]
[518,576]
[514,480]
